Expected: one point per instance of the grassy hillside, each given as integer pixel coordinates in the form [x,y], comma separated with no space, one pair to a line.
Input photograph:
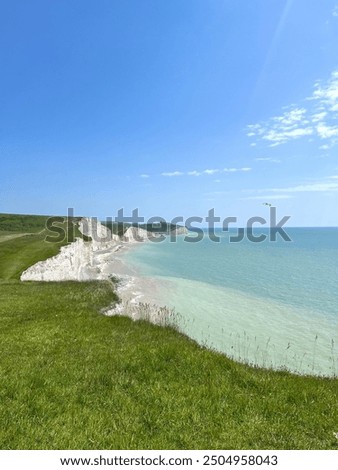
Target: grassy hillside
[23,241]
[17,254]
[22,223]
[72,378]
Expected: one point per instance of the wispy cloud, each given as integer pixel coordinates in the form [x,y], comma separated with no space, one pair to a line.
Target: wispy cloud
[327,94]
[234,170]
[280,129]
[268,197]
[318,118]
[211,172]
[267,159]
[144,176]
[291,118]
[208,172]
[311,187]
[335,11]
[327,132]
[173,173]
[327,184]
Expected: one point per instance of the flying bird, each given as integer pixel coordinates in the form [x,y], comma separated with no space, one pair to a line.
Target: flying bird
[267,204]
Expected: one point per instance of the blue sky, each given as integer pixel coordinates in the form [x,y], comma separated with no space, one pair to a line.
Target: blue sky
[174,107]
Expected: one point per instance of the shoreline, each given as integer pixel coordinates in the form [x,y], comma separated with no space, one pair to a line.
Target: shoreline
[101,260]
[143,297]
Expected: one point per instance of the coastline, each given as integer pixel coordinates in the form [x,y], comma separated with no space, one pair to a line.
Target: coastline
[248,328]
[102,258]
[57,340]
[234,325]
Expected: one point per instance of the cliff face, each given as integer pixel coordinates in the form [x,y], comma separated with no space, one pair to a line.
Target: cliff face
[79,261]
[97,260]
[88,260]
[180,231]
[136,234]
[73,263]
[98,233]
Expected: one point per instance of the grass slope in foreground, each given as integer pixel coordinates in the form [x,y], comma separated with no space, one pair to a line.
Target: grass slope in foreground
[72,378]
[22,241]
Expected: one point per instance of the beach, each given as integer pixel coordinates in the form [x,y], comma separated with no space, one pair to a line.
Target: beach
[226,297]
[103,258]
[271,305]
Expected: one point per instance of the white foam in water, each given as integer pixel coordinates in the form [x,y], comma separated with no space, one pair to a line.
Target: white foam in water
[272,306]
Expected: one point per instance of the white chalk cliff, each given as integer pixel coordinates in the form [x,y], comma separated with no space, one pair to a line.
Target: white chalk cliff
[137,234]
[80,260]
[180,230]
[97,260]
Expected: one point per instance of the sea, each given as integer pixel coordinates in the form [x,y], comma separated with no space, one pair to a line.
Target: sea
[272,304]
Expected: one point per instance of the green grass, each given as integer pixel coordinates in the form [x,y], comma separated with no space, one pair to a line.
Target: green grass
[22,223]
[18,254]
[19,250]
[5,236]
[72,378]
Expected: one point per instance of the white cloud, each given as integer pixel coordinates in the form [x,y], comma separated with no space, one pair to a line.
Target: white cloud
[326,132]
[267,159]
[173,173]
[335,11]
[291,118]
[327,185]
[318,119]
[234,170]
[230,170]
[280,129]
[268,197]
[210,172]
[328,94]
[255,129]
[323,186]
[144,176]
[284,134]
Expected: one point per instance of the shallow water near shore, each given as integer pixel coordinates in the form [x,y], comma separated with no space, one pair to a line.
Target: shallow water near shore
[272,304]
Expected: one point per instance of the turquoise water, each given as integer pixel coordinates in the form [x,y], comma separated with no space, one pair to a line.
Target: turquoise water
[273,304]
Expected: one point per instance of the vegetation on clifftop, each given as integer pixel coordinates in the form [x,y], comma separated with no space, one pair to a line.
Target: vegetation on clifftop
[72,378]
[23,240]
